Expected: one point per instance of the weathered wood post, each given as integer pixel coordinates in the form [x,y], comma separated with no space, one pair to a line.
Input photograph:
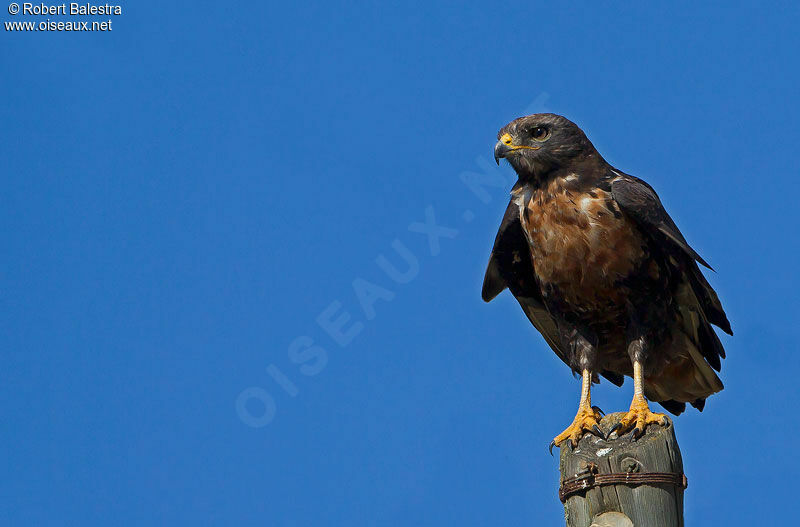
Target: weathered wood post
[623,483]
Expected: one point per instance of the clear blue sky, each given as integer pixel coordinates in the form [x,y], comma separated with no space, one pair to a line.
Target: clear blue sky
[192,200]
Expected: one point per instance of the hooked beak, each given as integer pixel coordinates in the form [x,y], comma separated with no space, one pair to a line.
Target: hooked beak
[501,150]
[506,146]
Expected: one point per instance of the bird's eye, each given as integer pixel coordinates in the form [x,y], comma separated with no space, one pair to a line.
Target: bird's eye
[540,133]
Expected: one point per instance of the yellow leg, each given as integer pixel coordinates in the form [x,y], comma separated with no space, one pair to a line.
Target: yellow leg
[639,415]
[586,420]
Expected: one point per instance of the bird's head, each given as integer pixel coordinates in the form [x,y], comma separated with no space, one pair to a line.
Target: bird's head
[537,144]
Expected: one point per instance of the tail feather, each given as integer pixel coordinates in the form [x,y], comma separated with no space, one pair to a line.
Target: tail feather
[687,379]
[708,300]
[710,346]
[673,407]
[697,326]
[677,408]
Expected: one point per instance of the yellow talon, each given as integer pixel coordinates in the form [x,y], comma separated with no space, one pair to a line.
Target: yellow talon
[639,415]
[586,420]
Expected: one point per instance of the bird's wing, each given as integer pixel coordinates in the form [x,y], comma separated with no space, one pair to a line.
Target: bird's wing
[510,263]
[510,266]
[640,202]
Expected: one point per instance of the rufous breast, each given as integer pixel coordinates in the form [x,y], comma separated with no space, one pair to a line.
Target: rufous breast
[580,241]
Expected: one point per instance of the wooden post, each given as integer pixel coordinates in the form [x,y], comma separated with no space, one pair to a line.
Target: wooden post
[645,486]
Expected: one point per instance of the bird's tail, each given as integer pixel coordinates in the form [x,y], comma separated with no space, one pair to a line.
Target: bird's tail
[689,377]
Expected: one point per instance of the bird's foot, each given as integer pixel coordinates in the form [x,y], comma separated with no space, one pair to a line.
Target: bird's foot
[638,417]
[586,420]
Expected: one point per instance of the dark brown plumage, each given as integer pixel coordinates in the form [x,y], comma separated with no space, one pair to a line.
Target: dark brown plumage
[603,272]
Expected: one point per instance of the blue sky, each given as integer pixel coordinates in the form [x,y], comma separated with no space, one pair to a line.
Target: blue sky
[187,196]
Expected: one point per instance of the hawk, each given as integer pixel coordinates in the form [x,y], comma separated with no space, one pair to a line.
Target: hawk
[603,273]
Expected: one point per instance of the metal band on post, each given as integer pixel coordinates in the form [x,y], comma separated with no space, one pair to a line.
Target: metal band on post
[590,479]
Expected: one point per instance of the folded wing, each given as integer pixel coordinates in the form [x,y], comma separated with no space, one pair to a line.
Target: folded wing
[510,266]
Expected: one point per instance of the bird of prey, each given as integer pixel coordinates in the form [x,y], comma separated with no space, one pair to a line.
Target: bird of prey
[604,274]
